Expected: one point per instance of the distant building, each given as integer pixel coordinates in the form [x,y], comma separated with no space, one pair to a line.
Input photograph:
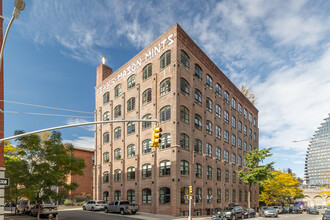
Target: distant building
[317,167]
[317,164]
[86,180]
[208,128]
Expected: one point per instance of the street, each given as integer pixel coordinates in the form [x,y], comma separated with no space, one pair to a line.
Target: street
[87,215]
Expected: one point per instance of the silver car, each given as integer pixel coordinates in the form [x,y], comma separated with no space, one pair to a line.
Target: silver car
[45,210]
[94,205]
[268,212]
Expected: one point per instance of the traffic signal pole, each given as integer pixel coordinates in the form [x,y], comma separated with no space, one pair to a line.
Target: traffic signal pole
[189,217]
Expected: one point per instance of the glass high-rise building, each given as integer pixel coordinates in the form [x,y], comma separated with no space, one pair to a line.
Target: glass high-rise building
[317,164]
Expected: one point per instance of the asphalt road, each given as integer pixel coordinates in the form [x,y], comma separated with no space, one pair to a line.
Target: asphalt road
[87,215]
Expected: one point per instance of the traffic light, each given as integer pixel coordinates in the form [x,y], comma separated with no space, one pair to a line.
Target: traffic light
[190,189]
[155,140]
[186,197]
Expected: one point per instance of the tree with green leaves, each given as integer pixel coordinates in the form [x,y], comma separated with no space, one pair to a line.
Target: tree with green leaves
[45,165]
[254,173]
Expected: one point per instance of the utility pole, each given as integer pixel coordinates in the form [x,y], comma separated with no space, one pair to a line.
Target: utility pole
[190,198]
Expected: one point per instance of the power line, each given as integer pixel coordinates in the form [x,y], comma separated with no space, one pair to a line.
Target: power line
[32,113]
[40,106]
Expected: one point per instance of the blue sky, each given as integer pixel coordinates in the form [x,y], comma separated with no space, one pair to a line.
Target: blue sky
[280,49]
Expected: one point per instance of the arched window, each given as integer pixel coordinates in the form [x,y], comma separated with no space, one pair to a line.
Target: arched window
[118,154]
[130,127]
[218,111]
[208,150]
[117,175]
[218,90]
[184,168]
[233,121]
[117,90]
[184,86]
[226,116]
[131,173]
[245,113]
[198,146]
[147,72]
[233,140]
[165,168]
[218,174]
[184,191]
[198,72]
[226,136]
[130,82]
[106,177]
[106,116]
[165,141]
[198,122]
[146,146]
[209,104]
[146,170]
[146,196]
[165,60]
[165,113]
[106,138]
[131,196]
[117,133]
[239,108]
[226,97]
[198,168]
[198,198]
[233,103]
[146,124]
[184,114]
[106,157]
[184,141]
[164,195]
[146,96]
[131,104]
[218,153]
[209,195]
[209,81]
[130,151]
[106,98]
[106,196]
[117,195]
[198,97]
[218,195]
[165,86]
[209,127]
[234,177]
[218,132]
[209,172]
[185,61]
[117,112]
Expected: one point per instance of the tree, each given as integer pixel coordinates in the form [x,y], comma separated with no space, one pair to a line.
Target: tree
[253,173]
[248,94]
[47,163]
[326,187]
[281,188]
[14,171]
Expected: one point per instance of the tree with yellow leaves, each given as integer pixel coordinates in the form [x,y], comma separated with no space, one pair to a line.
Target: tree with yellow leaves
[248,94]
[326,188]
[282,188]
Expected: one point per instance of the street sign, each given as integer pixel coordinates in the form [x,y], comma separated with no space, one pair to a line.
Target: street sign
[4,182]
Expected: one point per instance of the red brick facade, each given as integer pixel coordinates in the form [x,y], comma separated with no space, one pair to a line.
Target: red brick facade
[85,182]
[2,163]
[178,107]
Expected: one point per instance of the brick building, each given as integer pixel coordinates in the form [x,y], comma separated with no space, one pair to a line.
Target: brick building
[86,180]
[208,127]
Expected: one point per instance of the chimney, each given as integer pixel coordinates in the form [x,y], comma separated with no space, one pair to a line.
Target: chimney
[102,71]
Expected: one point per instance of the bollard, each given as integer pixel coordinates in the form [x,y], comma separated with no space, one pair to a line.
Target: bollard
[50,216]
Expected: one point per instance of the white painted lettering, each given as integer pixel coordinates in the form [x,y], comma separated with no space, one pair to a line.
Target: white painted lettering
[163,43]
[148,56]
[157,49]
[170,39]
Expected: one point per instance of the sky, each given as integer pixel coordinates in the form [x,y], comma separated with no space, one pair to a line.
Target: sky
[279,49]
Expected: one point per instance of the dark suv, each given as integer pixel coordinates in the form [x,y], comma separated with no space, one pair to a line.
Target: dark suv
[232,213]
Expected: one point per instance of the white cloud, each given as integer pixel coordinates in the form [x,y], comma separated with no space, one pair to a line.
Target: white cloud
[82,142]
[71,121]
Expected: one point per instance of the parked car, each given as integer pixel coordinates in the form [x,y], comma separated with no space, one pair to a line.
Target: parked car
[295,210]
[326,215]
[285,210]
[279,209]
[217,217]
[94,205]
[313,211]
[268,212]
[24,206]
[232,213]
[45,210]
[249,213]
[122,207]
